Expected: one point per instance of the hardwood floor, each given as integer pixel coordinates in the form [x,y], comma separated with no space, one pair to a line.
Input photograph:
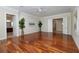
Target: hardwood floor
[39,43]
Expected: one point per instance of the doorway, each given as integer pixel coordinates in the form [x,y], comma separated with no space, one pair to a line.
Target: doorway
[57,25]
[9,26]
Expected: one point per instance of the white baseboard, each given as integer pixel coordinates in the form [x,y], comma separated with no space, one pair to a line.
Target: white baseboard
[3,38]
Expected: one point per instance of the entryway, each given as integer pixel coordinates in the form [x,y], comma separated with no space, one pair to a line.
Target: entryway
[9,25]
[57,25]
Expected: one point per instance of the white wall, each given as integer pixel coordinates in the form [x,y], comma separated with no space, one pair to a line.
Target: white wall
[6,10]
[77,20]
[30,19]
[17,16]
[75,32]
[48,26]
[2,25]
[45,24]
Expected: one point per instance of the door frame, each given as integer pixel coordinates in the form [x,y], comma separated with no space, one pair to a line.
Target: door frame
[55,25]
[14,16]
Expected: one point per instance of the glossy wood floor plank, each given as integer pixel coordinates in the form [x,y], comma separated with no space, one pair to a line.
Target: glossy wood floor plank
[39,43]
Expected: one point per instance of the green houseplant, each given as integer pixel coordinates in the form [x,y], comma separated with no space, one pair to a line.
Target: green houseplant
[22,25]
[40,25]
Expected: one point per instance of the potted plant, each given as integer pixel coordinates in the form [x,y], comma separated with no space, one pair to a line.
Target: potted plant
[40,25]
[22,25]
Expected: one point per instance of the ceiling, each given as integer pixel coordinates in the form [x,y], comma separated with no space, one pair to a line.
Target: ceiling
[44,10]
